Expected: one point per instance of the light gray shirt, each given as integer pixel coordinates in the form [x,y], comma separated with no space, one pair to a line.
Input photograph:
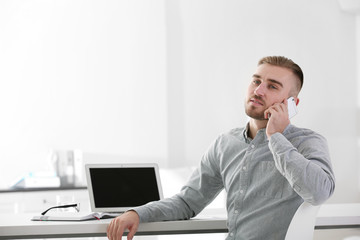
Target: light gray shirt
[266,181]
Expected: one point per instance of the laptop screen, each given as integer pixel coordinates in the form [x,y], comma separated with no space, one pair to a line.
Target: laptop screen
[116,188]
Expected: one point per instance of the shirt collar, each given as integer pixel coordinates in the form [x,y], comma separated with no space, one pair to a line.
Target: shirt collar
[260,132]
[245,132]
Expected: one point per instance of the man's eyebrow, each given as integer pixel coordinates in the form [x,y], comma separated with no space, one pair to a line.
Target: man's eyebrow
[271,80]
[276,82]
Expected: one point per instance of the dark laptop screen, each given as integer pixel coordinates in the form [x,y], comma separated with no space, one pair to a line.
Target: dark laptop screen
[123,187]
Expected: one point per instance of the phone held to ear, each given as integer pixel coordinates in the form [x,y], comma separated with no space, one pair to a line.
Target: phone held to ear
[292,110]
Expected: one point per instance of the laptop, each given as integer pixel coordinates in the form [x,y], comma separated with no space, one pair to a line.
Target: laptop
[115,188]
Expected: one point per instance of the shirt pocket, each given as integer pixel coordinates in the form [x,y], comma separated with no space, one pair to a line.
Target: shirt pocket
[266,180]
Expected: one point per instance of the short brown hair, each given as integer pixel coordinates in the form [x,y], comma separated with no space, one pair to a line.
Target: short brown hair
[286,63]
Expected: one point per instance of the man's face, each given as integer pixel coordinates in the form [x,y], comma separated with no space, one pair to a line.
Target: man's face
[270,84]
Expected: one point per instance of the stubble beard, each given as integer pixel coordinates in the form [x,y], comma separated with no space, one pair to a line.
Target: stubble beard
[252,113]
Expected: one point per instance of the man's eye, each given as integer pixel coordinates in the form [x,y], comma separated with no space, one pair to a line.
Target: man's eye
[257,82]
[273,87]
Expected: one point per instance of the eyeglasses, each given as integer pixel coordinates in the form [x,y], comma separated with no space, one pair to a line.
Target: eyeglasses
[75,205]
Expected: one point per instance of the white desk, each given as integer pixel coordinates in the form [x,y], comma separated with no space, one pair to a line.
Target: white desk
[332,216]
[19,226]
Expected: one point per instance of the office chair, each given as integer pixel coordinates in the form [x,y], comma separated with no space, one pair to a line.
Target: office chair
[303,222]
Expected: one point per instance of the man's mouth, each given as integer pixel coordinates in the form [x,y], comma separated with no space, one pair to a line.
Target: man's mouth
[256,101]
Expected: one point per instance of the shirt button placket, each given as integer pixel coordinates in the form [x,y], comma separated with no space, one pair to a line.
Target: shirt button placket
[243,185]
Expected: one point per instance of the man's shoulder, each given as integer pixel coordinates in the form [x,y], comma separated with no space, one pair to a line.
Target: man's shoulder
[232,135]
[293,131]
[234,132]
[229,140]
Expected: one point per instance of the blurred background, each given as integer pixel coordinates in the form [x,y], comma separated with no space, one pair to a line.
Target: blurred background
[158,81]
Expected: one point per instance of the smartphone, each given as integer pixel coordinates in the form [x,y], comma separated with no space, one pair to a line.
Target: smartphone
[292,110]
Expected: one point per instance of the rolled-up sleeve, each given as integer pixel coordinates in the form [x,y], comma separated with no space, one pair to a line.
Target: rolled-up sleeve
[203,186]
[304,160]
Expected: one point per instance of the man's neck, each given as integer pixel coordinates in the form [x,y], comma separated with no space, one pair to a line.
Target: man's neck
[255,126]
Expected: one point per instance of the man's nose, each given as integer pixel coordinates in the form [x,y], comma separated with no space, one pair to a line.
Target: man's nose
[260,90]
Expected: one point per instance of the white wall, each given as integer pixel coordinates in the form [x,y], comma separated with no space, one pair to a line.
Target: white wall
[79,74]
[159,80]
[358,81]
[221,42]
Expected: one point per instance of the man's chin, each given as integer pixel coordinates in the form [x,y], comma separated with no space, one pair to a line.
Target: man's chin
[256,116]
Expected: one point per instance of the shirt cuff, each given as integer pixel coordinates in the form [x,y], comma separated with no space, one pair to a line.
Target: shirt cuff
[142,212]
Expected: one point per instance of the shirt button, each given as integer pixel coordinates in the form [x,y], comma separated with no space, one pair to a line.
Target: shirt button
[236,211]
[253,146]
[231,234]
[244,168]
[241,191]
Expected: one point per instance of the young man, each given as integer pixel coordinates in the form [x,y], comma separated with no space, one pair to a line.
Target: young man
[267,168]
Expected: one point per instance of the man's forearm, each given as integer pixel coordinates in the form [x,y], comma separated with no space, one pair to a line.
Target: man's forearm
[174,208]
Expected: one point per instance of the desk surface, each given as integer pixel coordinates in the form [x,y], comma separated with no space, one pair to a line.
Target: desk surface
[20,226]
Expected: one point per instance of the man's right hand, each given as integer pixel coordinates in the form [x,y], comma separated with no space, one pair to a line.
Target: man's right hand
[129,220]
